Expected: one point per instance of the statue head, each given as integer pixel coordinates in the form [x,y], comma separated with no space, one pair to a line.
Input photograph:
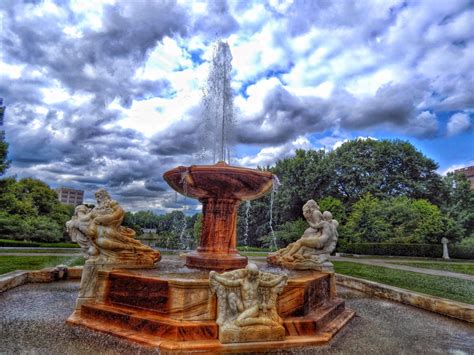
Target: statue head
[309,207]
[327,216]
[252,271]
[80,210]
[102,196]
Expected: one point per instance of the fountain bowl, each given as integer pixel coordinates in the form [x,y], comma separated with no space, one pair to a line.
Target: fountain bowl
[220,188]
[219,181]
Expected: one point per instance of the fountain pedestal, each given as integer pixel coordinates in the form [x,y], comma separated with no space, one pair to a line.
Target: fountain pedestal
[217,249]
[173,309]
[220,188]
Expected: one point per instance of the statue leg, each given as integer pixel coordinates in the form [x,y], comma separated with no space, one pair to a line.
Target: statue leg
[245,318]
[235,303]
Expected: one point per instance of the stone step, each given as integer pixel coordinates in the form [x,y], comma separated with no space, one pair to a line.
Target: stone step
[304,294]
[151,323]
[313,322]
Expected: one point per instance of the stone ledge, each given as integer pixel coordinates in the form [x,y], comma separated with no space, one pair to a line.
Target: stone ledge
[20,277]
[214,346]
[454,309]
[13,279]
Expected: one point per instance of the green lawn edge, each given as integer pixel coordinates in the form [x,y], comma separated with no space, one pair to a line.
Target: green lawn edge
[462,268]
[440,286]
[10,263]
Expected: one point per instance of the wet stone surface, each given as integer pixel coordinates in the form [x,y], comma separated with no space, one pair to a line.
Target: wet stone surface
[32,321]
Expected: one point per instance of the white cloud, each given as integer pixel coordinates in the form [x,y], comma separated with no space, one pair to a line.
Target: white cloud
[458,123]
[269,155]
[423,125]
[456,167]
[341,142]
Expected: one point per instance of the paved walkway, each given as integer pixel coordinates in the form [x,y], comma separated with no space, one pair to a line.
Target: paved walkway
[38,326]
[389,264]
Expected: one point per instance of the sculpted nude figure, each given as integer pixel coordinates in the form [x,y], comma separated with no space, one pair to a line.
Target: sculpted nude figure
[313,249]
[100,234]
[248,304]
[319,240]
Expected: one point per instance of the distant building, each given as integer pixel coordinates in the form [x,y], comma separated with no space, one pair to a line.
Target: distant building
[70,196]
[149,230]
[469,173]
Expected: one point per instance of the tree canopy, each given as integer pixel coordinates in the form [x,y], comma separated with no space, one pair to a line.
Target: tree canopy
[378,190]
[30,210]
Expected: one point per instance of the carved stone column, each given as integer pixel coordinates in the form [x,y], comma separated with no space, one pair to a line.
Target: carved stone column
[217,248]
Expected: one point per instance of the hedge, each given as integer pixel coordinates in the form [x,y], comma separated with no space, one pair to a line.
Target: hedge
[19,243]
[245,248]
[422,250]
[16,243]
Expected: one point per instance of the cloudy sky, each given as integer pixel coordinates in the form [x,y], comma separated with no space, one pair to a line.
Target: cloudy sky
[107,94]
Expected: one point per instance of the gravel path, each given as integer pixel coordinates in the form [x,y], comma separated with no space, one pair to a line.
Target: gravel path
[388,264]
[32,321]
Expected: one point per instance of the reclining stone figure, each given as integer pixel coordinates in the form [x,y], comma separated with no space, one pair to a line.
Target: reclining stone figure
[312,250]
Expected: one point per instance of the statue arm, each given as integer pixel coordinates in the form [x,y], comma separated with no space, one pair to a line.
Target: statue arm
[316,225]
[226,282]
[274,282]
[110,218]
[315,220]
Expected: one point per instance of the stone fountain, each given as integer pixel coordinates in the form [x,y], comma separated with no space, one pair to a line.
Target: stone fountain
[195,307]
[220,188]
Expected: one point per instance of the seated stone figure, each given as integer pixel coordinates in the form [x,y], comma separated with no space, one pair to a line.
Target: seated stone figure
[247,304]
[102,237]
[312,250]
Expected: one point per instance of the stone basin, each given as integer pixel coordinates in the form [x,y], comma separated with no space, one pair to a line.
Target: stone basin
[219,181]
[220,188]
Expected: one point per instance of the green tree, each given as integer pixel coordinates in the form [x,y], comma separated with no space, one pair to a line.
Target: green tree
[383,168]
[30,210]
[458,204]
[4,162]
[335,206]
[413,221]
[304,176]
[287,233]
[366,223]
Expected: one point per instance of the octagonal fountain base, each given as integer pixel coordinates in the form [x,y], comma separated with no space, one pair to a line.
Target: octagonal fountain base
[175,312]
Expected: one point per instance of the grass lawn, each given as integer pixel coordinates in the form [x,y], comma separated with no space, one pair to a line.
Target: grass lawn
[463,268]
[253,253]
[441,286]
[11,263]
[35,251]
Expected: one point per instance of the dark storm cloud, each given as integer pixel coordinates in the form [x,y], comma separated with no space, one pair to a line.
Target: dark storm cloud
[183,137]
[286,116]
[80,142]
[218,21]
[101,62]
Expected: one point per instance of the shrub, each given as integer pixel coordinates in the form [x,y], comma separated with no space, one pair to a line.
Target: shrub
[15,243]
[286,233]
[366,222]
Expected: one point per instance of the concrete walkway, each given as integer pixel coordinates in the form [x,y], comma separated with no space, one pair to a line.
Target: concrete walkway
[389,264]
[33,322]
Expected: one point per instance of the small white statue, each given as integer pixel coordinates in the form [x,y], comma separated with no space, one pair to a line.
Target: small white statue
[312,250]
[445,242]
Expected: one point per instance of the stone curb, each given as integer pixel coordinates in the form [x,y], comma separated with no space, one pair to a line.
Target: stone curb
[458,310]
[20,277]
